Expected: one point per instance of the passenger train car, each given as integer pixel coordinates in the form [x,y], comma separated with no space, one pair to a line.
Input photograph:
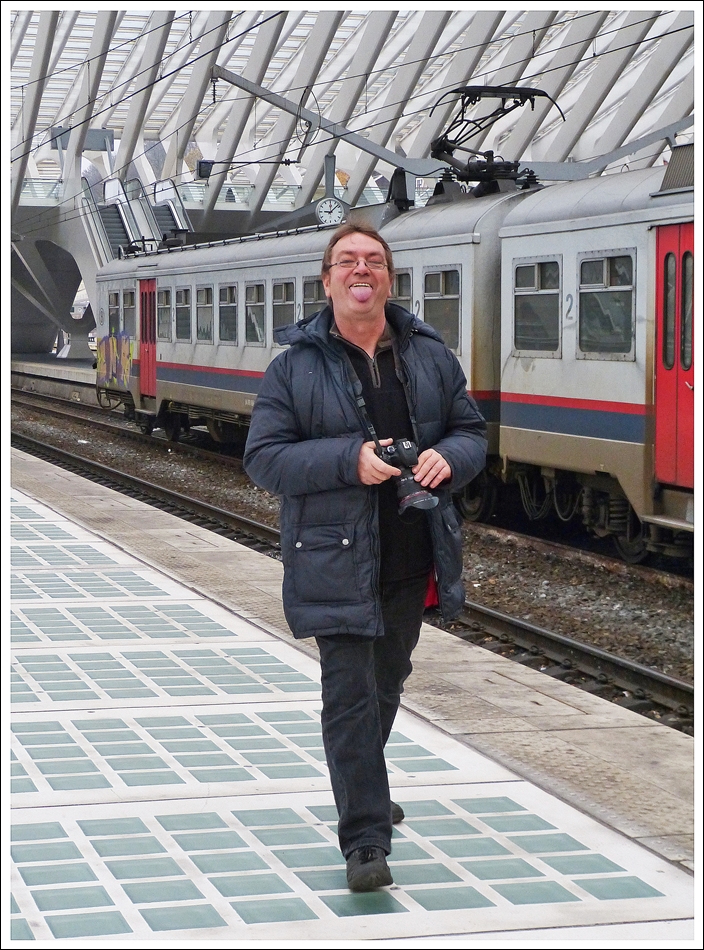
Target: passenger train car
[570,308]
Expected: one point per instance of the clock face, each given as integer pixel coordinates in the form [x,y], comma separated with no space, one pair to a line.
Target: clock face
[329,211]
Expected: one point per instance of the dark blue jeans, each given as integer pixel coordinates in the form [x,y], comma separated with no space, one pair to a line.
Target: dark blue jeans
[362,680]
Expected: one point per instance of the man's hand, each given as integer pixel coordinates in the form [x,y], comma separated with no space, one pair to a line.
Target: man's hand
[432,469]
[370,468]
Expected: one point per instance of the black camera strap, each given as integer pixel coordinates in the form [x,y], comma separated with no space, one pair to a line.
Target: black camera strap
[359,398]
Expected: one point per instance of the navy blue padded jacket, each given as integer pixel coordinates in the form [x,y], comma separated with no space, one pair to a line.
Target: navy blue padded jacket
[303,445]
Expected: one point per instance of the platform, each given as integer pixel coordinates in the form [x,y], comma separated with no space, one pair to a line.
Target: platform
[169,780]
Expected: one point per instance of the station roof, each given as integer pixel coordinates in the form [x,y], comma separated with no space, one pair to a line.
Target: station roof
[144,77]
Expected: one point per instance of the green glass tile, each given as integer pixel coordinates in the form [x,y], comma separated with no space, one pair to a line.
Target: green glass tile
[144,867]
[38,831]
[175,732]
[442,826]
[234,730]
[583,864]
[221,775]
[20,930]
[310,857]
[151,892]
[254,743]
[356,905]
[277,911]
[470,847]
[205,758]
[406,752]
[309,687]
[247,884]
[136,693]
[298,728]
[56,874]
[535,892]
[68,782]
[279,836]
[284,716]
[14,907]
[17,769]
[114,847]
[450,898]
[243,689]
[123,748]
[309,742]
[334,879]
[618,888]
[424,809]
[151,778]
[122,735]
[113,826]
[424,874]
[21,785]
[228,861]
[425,765]
[69,898]
[88,925]
[406,851]
[190,822]
[215,840]
[72,697]
[189,745]
[132,763]
[506,823]
[66,767]
[265,817]
[501,869]
[100,724]
[189,691]
[488,806]
[51,738]
[57,752]
[191,917]
[48,851]
[289,771]
[272,758]
[323,812]
[545,844]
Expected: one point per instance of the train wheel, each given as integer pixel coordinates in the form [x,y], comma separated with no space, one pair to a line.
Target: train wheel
[632,550]
[172,427]
[478,500]
[146,425]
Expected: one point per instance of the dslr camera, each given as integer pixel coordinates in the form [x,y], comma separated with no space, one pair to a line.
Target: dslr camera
[403,454]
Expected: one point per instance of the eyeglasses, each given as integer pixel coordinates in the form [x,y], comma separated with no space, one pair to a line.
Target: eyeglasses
[347,263]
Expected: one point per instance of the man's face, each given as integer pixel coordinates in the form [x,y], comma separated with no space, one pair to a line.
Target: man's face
[360,291]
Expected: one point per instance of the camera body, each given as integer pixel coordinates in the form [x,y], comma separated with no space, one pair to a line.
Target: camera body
[403,454]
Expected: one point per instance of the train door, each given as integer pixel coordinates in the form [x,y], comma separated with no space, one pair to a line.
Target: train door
[674,369]
[147,337]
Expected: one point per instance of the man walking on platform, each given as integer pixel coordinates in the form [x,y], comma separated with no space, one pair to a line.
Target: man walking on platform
[364,427]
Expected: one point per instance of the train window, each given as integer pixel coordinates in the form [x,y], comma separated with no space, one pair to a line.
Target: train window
[686,306]
[401,289]
[254,313]
[441,305]
[314,298]
[668,312]
[163,314]
[283,303]
[204,314]
[129,312]
[536,306]
[183,313]
[114,313]
[606,304]
[227,330]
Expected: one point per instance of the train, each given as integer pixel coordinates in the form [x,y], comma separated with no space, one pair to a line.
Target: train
[570,307]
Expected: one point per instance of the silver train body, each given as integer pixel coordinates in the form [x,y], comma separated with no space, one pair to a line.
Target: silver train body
[560,302]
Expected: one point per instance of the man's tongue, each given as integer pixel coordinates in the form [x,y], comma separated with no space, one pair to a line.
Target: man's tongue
[361,293]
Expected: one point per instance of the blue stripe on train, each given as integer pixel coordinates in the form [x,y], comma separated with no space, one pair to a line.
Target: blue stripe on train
[232,381]
[591,423]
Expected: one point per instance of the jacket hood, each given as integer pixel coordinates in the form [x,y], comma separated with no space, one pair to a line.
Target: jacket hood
[316,328]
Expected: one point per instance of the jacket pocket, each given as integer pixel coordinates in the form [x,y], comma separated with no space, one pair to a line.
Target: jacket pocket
[322,560]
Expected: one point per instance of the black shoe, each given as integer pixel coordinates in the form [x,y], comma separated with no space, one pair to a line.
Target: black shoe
[367,869]
[397,813]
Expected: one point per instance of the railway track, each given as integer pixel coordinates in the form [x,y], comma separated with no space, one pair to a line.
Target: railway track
[632,685]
